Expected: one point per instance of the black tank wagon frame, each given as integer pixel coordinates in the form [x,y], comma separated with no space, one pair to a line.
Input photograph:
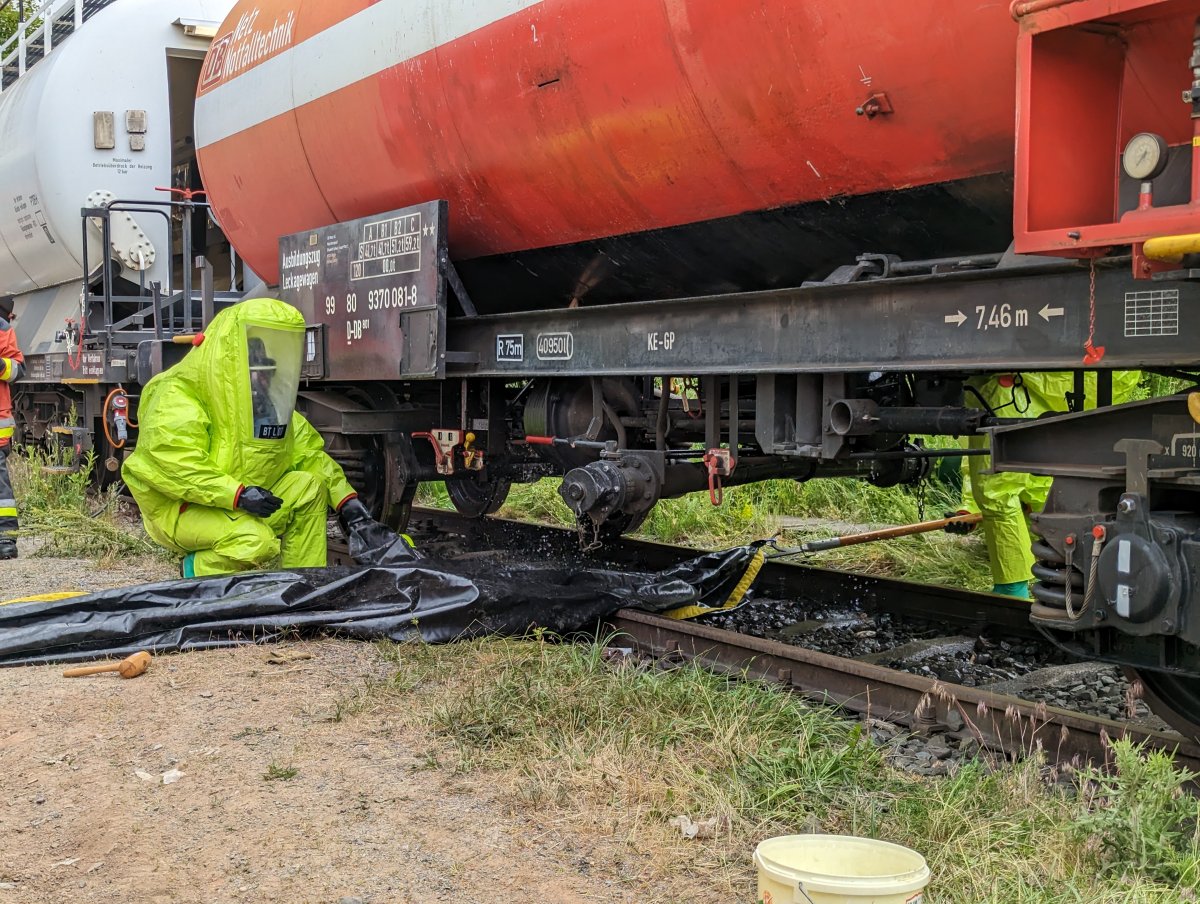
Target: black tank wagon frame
[640,401]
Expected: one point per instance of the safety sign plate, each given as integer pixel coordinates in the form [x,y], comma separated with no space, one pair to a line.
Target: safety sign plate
[375,285]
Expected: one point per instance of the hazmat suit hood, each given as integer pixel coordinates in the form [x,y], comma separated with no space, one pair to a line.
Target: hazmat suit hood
[246,372]
[223,418]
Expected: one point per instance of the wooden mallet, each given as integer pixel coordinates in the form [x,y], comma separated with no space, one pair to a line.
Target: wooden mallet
[129,667]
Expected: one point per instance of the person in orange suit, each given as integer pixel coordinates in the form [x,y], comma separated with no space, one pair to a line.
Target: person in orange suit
[12,368]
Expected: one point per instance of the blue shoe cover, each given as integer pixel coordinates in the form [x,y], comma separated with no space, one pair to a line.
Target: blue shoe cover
[1019,589]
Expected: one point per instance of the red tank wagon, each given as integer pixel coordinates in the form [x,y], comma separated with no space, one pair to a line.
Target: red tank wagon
[627,149]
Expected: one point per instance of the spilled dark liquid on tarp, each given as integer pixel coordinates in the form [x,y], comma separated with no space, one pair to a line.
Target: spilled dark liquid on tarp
[395,595]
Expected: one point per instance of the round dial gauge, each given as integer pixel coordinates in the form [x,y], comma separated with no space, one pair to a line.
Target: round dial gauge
[1145,156]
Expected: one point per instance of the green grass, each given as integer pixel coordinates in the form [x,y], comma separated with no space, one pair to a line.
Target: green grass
[72,519]
[1141,816]
[1152,386]
[624,749]
[277,773]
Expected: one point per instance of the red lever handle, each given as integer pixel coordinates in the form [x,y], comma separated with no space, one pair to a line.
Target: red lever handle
[187,193]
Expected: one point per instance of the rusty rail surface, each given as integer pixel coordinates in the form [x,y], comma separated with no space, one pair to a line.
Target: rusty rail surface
[1001,723]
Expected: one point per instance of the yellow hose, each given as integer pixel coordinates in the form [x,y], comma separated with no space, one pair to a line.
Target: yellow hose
[1170,249]
[735,597]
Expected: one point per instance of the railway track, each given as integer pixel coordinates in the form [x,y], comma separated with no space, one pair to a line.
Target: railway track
[924,706]
[921,705]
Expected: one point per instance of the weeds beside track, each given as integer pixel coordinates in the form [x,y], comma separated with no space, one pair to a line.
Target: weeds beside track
[625,748]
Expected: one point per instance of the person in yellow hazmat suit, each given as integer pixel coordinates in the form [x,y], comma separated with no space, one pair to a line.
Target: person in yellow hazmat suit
[225,471]
[1006,499]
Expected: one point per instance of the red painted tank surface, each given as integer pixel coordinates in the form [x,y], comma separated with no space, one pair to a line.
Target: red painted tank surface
[642,146]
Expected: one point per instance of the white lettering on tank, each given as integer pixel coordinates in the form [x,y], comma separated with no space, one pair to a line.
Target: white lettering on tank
[383,35]
[233,53]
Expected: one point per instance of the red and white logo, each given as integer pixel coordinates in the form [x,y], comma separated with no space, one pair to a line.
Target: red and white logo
[246,46]
[214,63]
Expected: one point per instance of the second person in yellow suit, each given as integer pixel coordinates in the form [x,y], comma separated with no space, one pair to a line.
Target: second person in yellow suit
[226,472]
[1006,499]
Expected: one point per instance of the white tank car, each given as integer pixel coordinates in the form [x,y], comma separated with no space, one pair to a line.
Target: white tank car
[104,113]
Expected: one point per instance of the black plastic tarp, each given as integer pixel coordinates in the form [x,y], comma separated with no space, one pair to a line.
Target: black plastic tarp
[435,602]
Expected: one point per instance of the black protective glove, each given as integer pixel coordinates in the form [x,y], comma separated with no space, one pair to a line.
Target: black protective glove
[259,501]
[962,528]
[353,512]
[372,543]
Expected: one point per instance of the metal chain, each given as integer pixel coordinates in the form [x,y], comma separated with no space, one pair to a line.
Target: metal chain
[1091,300]
[1092,354]
[922,486]
[586,545]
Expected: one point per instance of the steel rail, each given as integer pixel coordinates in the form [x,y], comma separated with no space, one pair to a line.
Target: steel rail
[1000,723]
[1004,724]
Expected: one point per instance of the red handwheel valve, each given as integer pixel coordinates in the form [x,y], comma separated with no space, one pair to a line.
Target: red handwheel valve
[187,194]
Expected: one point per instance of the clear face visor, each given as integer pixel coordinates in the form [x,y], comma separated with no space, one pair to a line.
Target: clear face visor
[273,357]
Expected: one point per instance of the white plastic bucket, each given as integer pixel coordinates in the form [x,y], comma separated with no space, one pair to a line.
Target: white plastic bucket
[838,869]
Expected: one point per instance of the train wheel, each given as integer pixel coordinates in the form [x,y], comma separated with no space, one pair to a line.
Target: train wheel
[476,498]
[1174,699]
[398,507]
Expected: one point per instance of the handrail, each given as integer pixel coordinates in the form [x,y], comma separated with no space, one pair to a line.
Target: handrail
[37,28]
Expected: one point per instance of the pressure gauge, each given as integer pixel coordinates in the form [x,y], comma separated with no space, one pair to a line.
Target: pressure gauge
[1145,156]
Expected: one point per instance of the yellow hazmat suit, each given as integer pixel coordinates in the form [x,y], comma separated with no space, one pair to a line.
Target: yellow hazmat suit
[217,431]
[1006,499]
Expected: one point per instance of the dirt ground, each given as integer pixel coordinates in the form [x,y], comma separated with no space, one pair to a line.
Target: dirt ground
[279,799]
[29,575]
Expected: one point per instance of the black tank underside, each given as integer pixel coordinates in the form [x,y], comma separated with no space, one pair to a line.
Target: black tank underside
[758,250]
